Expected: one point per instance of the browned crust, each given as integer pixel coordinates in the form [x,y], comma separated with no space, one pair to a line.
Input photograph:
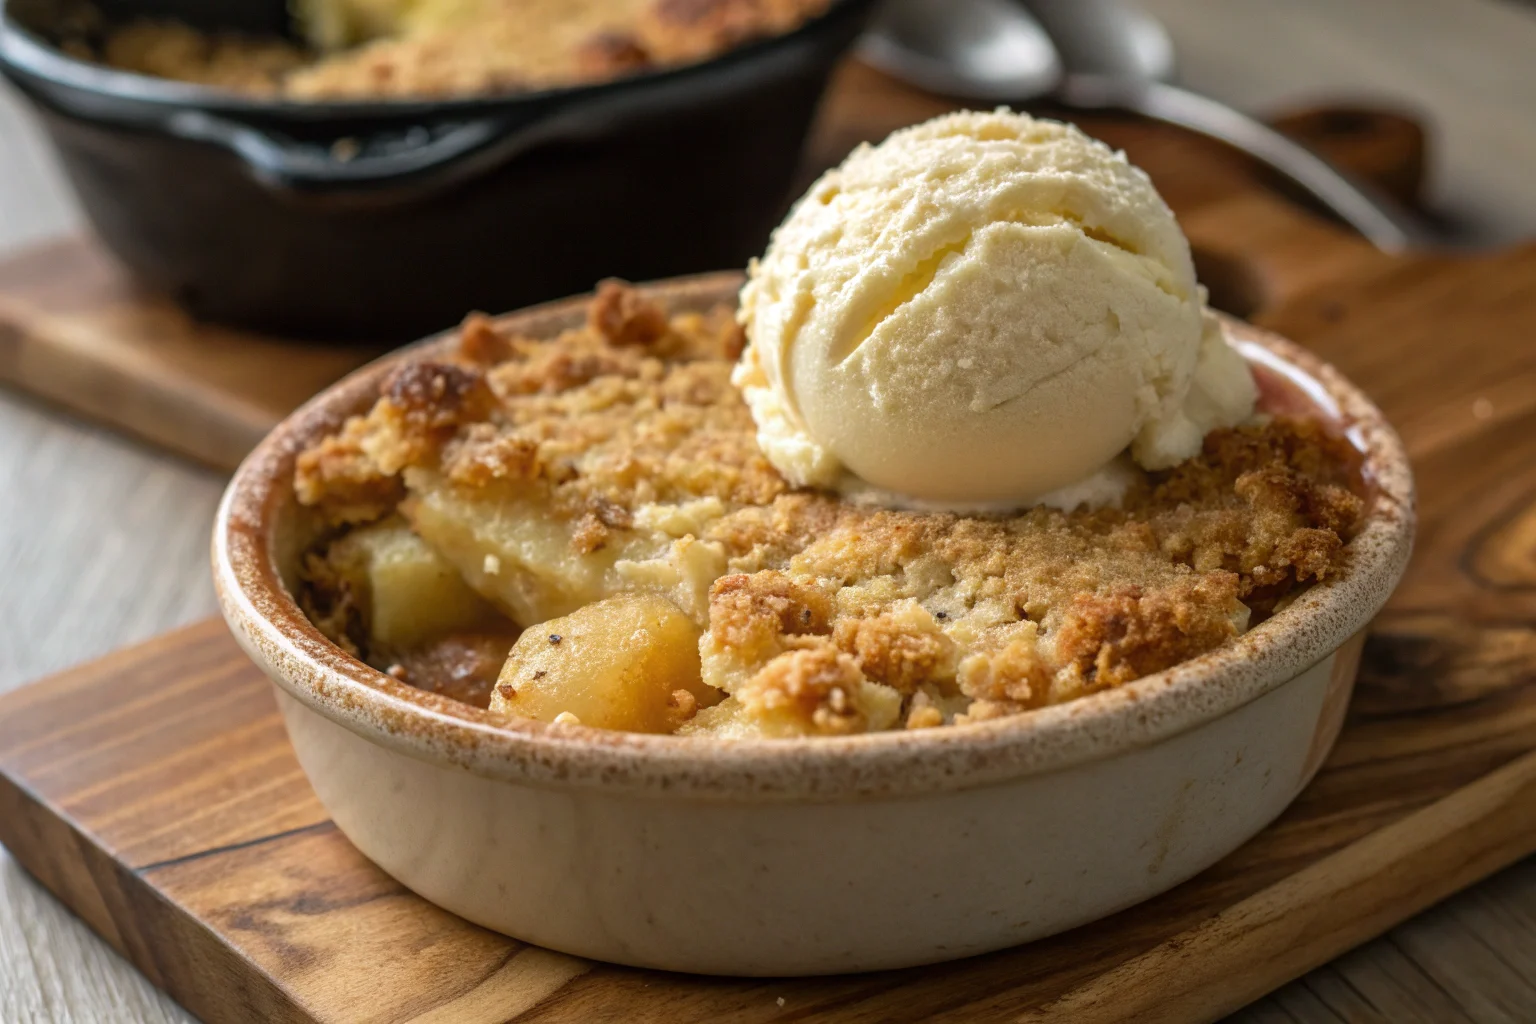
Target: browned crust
[500,48]
[890,651]
[679,31]
[1110,639]
[751,613]
[620,315]
[352,475]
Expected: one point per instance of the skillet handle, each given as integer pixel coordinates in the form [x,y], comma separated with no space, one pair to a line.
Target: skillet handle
[382,166]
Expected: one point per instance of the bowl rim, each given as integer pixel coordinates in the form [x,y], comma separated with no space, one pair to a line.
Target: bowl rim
[25,52]
[309,668]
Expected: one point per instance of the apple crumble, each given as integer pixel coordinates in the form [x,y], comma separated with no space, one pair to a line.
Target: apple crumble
[391,49]
[583,528]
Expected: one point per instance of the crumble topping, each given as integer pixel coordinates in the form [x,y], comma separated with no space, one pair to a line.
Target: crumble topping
[617,457]
[443,48]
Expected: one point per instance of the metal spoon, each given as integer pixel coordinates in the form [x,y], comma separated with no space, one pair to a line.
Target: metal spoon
[994,50]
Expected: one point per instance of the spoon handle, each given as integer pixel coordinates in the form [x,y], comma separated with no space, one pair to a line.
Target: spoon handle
[1375,216]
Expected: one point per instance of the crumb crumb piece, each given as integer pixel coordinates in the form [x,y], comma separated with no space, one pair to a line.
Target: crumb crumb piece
[682,705]
[492,565]
[780,1000]
[923,714]
[623,316]
[566,718]
[925,718]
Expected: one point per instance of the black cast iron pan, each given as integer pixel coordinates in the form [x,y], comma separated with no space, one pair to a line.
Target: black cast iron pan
[256,212]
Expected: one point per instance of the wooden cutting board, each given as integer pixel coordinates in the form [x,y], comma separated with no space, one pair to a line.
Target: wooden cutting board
[76,330]
[154,791]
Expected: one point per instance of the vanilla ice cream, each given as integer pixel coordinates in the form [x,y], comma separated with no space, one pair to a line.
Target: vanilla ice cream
[986,308]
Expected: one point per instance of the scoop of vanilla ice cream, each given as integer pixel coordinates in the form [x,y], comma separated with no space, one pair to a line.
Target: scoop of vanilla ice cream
[983,308]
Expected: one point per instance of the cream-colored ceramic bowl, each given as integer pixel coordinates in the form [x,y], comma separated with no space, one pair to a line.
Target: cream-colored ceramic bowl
[820,855]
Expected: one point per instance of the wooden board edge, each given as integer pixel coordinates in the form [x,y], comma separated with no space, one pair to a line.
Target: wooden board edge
[1321,912]
[177,953]
[179,414]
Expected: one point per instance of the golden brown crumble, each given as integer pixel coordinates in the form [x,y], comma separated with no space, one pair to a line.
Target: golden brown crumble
[1113,638]
[344,479]
[618,457]
[750,612]
[620,316]
[1014,673]
[813,682]
[903,649]
[167,49]
[448,47]
[678,31]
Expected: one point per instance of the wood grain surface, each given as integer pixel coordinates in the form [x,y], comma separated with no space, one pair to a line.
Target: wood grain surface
[75,329]
[103,541]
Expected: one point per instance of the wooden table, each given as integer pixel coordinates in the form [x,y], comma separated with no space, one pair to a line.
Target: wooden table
[103,541]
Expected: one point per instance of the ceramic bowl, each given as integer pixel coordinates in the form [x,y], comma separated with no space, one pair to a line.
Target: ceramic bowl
[813,856]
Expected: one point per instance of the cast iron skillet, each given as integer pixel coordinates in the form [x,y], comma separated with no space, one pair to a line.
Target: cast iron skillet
[247,212]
